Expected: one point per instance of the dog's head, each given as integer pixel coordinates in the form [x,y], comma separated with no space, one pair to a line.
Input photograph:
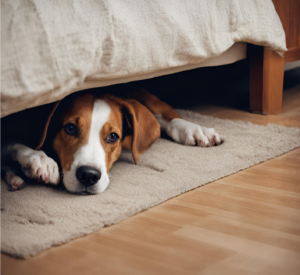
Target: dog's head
[87,133]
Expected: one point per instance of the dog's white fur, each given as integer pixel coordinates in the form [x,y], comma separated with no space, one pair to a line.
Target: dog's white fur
[13,180]
[189,133]
[36,164]
[91,154]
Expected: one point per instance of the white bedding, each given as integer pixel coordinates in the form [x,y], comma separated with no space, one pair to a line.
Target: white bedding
[50,48]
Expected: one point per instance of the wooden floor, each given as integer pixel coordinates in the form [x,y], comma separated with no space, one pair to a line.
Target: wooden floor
[246,223]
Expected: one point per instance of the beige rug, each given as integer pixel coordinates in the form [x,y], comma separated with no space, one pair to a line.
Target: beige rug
[38,217]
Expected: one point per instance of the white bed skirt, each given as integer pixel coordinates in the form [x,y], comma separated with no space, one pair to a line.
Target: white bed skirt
[233,54]
[51,49]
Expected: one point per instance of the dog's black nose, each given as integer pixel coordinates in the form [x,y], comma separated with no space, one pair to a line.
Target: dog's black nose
[88,175]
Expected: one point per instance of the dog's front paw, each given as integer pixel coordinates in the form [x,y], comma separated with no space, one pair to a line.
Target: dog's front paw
[188,133]
[37,165]
[13,180]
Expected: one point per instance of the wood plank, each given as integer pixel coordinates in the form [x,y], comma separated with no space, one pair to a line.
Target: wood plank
[247,251]
[250,232]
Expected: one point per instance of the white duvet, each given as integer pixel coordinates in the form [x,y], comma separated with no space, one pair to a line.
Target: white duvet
[50,48]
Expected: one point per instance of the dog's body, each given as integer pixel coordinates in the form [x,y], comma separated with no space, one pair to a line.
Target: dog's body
[84,135]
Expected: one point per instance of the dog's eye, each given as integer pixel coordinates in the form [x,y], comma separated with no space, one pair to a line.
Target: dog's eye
[70,129]
[112,138]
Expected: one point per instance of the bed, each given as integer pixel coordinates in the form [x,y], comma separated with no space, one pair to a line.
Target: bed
[267,68]
[51,49]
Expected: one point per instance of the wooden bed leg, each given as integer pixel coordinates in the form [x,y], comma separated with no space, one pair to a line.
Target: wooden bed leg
[266,80]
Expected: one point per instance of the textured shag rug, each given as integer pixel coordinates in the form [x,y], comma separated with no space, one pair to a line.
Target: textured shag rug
[38,217]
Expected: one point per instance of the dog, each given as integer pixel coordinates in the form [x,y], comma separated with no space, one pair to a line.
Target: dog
[77,140]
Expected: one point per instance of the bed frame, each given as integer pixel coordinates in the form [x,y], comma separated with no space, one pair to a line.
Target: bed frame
[267,67]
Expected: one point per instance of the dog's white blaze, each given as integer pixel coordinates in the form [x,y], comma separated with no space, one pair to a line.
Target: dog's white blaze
[92,154]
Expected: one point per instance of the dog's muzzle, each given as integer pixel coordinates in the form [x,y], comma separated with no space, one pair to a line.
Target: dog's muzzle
[88,175]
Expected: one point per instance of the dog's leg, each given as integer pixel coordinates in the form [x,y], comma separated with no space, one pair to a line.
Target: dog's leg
[35,164]
[13,181]
[178,129]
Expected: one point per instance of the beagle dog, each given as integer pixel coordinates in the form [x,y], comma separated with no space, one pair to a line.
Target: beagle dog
[76,140]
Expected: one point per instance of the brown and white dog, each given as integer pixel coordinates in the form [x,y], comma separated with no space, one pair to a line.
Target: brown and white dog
[84,135]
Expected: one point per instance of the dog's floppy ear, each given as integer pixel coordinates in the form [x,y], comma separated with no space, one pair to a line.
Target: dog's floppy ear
[45,131]
[142,125]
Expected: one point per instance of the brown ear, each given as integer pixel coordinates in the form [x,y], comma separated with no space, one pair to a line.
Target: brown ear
[45,131]
[145,128]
